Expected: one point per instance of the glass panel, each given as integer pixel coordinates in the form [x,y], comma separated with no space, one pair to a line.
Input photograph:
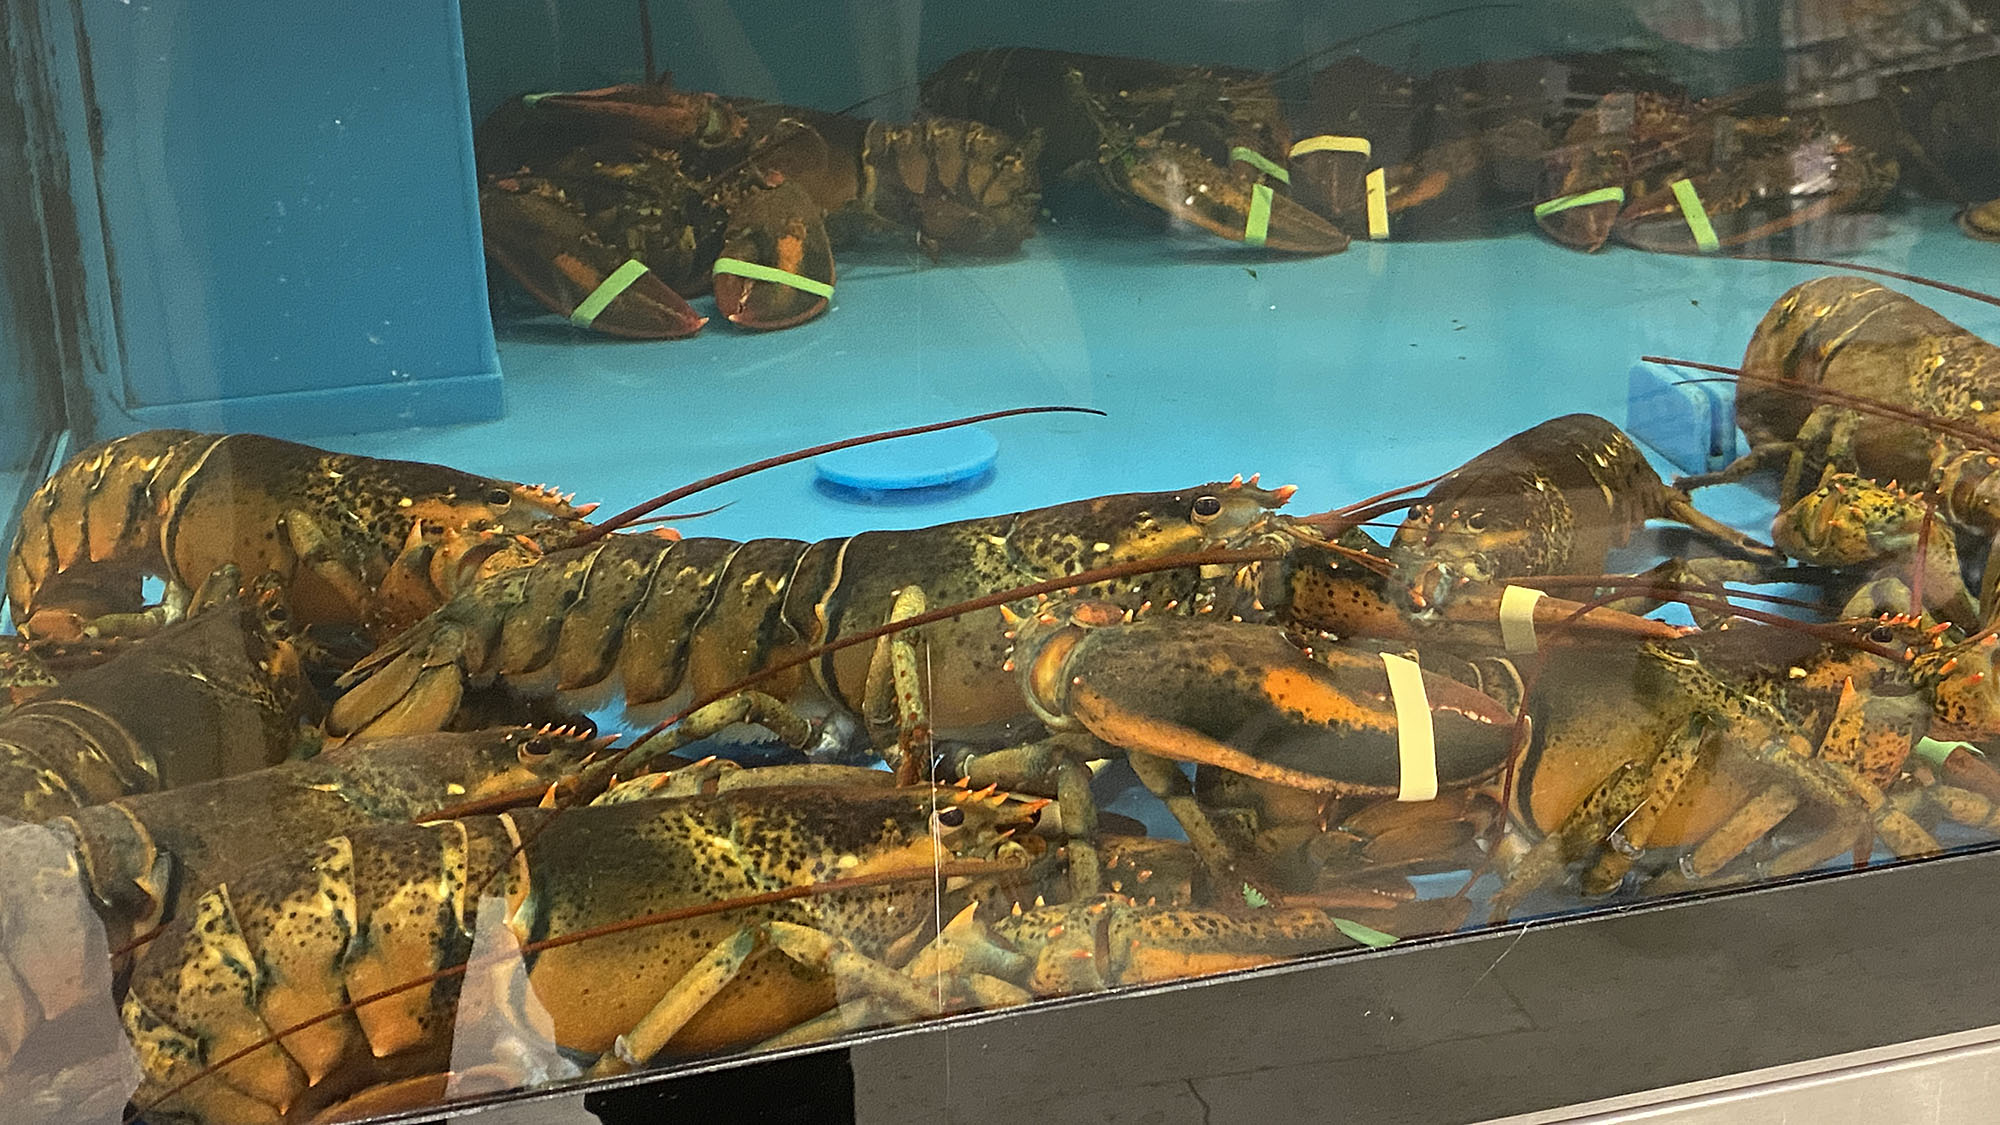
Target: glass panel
[1622,527]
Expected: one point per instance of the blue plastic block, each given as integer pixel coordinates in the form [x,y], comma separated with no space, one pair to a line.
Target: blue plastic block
[1688,423]
[291,213]
[921,461]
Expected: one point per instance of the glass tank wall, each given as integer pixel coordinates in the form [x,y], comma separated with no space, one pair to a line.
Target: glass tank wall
[1447,468]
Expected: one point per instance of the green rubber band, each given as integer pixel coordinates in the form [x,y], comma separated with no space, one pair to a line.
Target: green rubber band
[756,271]
[1260,162]
[1258,226]
[1366,935]
[1327,142]
[1696,216]
[1580,199]
[606,292]
[1935,752]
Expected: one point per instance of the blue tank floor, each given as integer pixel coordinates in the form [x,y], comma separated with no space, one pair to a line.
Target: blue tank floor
[1345,375]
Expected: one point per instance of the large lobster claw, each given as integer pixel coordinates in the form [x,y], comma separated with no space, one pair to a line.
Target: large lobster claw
[1756,198]
[1178,179]
[1181,180]
[776,268]
[548,248]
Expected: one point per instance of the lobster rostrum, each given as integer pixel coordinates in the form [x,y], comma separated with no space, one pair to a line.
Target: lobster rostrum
[324,931]
[356,541]
[704,192]
[1171,137]
[649,618]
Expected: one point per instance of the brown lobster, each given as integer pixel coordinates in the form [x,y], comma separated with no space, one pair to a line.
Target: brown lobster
[610,206]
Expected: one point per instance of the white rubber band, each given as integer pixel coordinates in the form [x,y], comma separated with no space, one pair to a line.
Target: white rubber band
[1517,618]
[1416,743]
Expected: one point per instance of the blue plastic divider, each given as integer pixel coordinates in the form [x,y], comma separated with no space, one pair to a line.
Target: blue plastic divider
[291,217]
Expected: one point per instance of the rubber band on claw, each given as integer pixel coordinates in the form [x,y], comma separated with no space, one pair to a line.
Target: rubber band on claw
[1327,142]
[758,272]
[1580,199]
[1258,227]
[1696,216]
[1260,162]
[607,291]
[1416,740]
[1378,204]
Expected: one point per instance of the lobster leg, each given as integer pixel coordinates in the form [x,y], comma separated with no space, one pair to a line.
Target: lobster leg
[1603,807]
[1053,765]
[1630,835]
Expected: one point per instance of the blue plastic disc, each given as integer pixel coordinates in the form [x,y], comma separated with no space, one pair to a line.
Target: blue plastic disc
[919,461]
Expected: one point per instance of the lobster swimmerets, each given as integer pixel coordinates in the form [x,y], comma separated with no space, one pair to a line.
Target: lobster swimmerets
[650,618]
[357,541]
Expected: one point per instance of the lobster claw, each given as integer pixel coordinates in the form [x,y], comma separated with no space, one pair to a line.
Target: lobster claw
[1179,180]
[547,247]
[776,268]
[1737,205]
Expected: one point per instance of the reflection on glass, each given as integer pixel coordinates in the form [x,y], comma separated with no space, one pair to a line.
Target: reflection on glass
[1621,555]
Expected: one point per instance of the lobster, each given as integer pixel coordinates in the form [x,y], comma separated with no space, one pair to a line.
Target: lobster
[1843,375]
[326,930]
[219,693]
[703,191]
[356,541]
[1553,499]
[650,617]
[1196,143]
[146,856]
[1660,173]
[1711,741]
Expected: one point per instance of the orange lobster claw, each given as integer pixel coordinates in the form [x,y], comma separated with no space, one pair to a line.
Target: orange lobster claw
[776,268]
[554,255]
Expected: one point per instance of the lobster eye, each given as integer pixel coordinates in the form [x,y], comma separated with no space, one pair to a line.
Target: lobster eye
[1881,634]
[499,497]
[1206,508]
[1476,521]
[950,817]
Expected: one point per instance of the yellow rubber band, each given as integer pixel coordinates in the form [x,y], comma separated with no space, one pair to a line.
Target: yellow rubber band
[1517,619]
[1258,226]
[756,271]
[1696,216]
[1580,199]
[1378,204]
[607,291]
[1327,142]
[1416,742]
[1260,162]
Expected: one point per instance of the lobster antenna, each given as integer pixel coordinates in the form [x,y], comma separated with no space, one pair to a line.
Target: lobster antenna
[646,39]
[1363,37]
[625,518]
[1914,279]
